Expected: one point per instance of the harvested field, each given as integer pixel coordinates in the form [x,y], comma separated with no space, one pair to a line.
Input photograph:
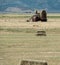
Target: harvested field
[18,41]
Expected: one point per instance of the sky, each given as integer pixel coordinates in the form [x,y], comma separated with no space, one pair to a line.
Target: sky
[50,5]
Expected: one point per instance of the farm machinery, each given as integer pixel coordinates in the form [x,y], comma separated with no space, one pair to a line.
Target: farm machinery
[39,17]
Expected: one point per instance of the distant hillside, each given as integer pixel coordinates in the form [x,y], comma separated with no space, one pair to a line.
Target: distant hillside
[20,5]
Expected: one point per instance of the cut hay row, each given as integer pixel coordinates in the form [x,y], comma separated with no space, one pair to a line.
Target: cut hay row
[48,25]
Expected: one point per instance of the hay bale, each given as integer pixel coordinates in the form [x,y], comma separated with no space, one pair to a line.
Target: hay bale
[43,16]
[41,33]
[33,63]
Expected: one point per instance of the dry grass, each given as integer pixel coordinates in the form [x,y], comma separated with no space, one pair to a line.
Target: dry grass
[52,23]
[15,46]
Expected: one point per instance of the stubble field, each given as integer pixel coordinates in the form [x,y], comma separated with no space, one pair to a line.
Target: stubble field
[18,40]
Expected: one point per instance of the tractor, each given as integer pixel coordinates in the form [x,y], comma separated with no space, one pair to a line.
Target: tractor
[39,17]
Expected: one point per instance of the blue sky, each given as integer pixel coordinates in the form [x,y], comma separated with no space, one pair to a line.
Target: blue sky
[50,5]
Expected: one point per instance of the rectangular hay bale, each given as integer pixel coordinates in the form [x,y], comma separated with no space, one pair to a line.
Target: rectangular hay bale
[32,63]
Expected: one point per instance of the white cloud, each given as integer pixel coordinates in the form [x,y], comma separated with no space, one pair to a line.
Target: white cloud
[13,9]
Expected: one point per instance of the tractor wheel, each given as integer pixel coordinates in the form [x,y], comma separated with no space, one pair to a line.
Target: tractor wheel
[43,16]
